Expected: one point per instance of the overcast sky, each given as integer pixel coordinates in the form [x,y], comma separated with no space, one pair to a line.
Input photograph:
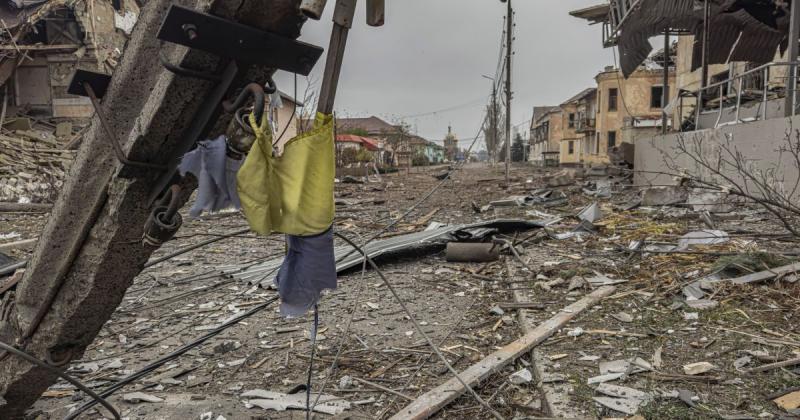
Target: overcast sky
[431,54]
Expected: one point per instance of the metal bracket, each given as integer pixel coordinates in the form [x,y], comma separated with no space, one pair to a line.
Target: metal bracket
[98,81]
[94,86]
[236,41]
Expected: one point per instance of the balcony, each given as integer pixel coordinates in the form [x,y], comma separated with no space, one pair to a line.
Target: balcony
[584,125]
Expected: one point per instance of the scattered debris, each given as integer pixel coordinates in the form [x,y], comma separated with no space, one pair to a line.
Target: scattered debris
[269,400]
[138,397]
[698,368]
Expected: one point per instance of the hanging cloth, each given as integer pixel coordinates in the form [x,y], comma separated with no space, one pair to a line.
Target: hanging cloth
[293,193]
[216,176]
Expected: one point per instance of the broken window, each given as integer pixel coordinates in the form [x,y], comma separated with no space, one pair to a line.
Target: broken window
[612,99]
[656,97]
[572,120]
[612,139]
[571,147]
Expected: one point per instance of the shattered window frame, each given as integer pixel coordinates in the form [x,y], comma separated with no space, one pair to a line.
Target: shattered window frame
[613,99]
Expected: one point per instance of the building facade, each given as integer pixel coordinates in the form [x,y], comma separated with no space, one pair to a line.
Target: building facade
[545,136]
[627,109]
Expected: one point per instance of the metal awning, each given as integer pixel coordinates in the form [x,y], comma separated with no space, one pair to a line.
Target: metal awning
[740,30]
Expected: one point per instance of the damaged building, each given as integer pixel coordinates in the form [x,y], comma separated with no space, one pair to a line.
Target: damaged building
[44,42]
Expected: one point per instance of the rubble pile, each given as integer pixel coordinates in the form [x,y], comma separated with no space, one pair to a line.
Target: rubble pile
[33,165]
[697,317]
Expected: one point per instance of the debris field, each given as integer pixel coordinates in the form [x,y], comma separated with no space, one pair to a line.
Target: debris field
[701,321]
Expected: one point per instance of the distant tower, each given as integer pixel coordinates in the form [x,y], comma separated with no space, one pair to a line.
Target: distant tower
[450,145]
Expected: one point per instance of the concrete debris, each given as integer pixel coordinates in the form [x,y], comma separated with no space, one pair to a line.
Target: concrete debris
[623,399]
[139,397]
[664,196]
[688,397]
[702,237]
[702,304]
[709,201]
[520,377]
[346,382]
[622,317]
[630,346]
[269,400]
[591,213]
[698,368]
[561,179]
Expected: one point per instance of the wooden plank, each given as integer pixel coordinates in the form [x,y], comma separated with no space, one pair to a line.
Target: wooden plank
[25,207]
[433,401]
[765,275]
[777,365]
[54,47]
[18,244]
[556,396]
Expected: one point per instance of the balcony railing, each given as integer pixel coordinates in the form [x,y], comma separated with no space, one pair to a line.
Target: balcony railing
[583,125]
[754,86]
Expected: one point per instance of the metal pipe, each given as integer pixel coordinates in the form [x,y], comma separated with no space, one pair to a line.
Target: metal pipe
[792,53]
[764,95]
[313,9]
[342,22]
[721,102]
[665,89]
[376,12]
[706,18]
[739,99]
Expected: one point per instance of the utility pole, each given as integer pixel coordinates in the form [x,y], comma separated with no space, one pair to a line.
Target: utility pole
[492,137]
[509,40]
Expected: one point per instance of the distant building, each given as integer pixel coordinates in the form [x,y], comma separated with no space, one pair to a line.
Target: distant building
[578,121]
[450,145]
[285,119]
[545,136]
[628,109]
[387,136]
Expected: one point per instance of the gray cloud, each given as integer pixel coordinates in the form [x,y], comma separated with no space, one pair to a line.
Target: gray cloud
[431,54]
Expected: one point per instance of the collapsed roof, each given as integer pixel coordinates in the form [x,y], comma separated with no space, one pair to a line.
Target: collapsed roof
[740,30]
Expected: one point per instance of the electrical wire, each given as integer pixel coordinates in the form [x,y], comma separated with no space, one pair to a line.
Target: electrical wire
[418,327]
[619,86]
[294,111]
[62,375]
[195,246]
[172,356]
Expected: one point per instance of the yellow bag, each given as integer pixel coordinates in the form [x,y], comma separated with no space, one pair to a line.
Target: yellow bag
[291,194]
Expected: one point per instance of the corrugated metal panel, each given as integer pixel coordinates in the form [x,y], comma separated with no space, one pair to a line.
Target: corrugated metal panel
[263,274]
[735,34]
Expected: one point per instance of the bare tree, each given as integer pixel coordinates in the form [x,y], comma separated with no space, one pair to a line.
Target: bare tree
[718,164]
[305,118]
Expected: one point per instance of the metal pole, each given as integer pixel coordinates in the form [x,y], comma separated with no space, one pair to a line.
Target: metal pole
[794,34]
[342,21]
[509,40]
[706,18]
[665,92]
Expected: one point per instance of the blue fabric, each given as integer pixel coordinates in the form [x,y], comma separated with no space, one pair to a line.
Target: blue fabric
[216,176]
[308,269]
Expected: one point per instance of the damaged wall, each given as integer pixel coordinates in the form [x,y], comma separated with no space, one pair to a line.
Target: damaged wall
[633,100]
[88,35]
[758,141]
